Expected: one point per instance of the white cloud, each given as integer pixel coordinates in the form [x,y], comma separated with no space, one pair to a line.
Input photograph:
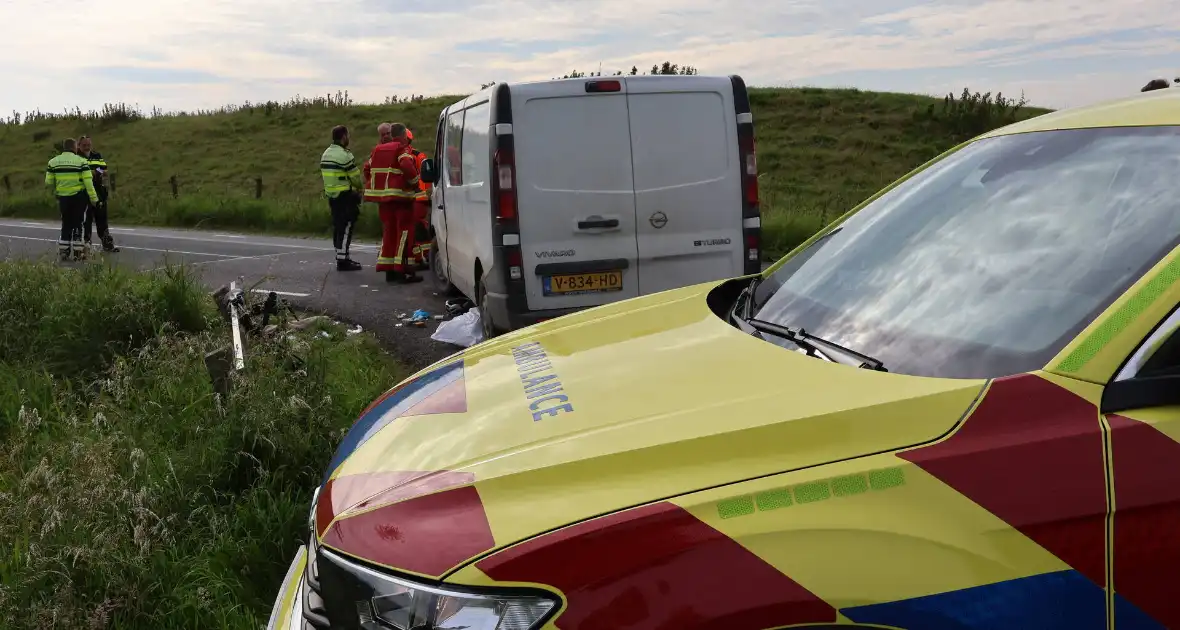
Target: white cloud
[270,48]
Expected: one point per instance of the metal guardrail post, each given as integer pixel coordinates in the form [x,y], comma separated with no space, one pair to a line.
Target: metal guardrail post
[234,299]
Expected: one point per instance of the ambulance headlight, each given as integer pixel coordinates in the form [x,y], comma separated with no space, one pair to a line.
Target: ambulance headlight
[386,602]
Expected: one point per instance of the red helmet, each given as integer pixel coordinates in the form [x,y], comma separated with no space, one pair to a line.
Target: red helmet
[409,135]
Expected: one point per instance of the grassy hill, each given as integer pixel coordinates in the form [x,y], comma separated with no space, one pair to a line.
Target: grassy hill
[820,153]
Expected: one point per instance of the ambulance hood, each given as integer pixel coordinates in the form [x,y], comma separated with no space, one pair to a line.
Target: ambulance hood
[595,412]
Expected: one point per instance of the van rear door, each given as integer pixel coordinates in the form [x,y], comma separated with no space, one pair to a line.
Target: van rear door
[575,192]
[688,180]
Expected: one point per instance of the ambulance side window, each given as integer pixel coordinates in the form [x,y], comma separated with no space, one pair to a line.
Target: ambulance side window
[1165,357]
[450,158]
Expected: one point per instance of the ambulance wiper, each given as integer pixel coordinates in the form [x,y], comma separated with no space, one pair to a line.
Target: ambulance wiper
[814,345]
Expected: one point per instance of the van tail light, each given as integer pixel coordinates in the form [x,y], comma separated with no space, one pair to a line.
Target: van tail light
[505,168]
[750,160]
[515,263]
[604,86]
[752,190]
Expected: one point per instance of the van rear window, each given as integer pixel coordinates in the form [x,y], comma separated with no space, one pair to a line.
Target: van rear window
[575,144]
[680,139]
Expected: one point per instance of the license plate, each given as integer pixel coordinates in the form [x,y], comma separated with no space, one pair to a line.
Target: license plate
[580,283]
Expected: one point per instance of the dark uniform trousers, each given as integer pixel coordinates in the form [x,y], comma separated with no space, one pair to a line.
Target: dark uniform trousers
[96,216]
[73,213]
[346,209]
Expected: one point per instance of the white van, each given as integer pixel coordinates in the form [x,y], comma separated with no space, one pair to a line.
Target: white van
[555,196]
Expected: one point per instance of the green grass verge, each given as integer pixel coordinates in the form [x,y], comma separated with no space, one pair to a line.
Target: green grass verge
[132,496]
[820,152]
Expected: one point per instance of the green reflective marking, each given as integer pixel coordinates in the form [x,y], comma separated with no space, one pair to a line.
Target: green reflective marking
[887,478]
[737,506]
[812,492]
[846,486]
[850,485]
[1122,318]
[774,499]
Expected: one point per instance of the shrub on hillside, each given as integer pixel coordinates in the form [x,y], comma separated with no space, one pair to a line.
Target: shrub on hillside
[666,68]
[131,495]
[974,113]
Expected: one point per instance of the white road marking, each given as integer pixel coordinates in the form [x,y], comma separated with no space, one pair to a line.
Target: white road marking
[176,237]
[230,235]
[144,249]
[229,259]
[288,293]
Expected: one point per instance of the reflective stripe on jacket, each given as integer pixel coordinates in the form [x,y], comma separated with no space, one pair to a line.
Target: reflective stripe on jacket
[391,173]
[339,170]
[69,174]
[98,170]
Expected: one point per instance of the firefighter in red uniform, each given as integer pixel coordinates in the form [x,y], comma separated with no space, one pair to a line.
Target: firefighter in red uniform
[391,181]
[422,240]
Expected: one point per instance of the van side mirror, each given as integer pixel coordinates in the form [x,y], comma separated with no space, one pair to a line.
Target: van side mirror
[429,172]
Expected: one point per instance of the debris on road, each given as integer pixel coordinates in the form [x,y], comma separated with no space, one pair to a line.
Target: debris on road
[458,306]
[307,322]
[464,331]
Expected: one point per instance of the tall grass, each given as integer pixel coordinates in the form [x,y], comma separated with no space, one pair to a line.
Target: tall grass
[132,495]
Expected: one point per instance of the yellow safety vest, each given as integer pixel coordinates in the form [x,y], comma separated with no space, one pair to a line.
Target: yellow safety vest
[339,170]
[69,174]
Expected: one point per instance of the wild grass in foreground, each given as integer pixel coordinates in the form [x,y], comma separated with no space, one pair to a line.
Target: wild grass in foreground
[133,496]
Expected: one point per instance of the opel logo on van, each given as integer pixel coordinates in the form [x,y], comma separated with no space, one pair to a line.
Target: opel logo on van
[658,220]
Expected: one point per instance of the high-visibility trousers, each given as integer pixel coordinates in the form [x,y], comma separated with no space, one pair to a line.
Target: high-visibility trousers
[422,243]
[397,236]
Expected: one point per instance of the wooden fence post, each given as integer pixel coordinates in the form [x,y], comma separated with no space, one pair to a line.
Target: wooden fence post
[7,185]
[258,188]
[111,178]
[175,187]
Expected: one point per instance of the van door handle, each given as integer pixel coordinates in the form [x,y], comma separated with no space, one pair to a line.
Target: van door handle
[590,224]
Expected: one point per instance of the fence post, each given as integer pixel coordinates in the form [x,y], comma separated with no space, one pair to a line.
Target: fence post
[175,188]
[258,188]
[111,177]
[7,185]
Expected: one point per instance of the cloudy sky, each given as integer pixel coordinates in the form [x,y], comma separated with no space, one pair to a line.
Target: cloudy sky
[185,55]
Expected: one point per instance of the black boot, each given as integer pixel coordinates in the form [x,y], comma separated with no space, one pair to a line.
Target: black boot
[348,264]
[410,278]
[108,245]
[394,276]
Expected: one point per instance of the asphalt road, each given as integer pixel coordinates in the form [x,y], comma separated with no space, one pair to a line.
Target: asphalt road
[301,271]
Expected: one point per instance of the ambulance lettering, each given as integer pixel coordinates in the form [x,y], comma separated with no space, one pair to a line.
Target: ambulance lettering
[541,385]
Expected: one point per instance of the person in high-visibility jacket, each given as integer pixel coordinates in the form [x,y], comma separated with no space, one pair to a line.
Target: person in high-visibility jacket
[391,181]
[69,175]
[422,240]
[96,214]
[343,188]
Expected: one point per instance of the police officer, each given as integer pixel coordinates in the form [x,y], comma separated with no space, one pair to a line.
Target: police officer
[96,214]
[69,175]
[343,187]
